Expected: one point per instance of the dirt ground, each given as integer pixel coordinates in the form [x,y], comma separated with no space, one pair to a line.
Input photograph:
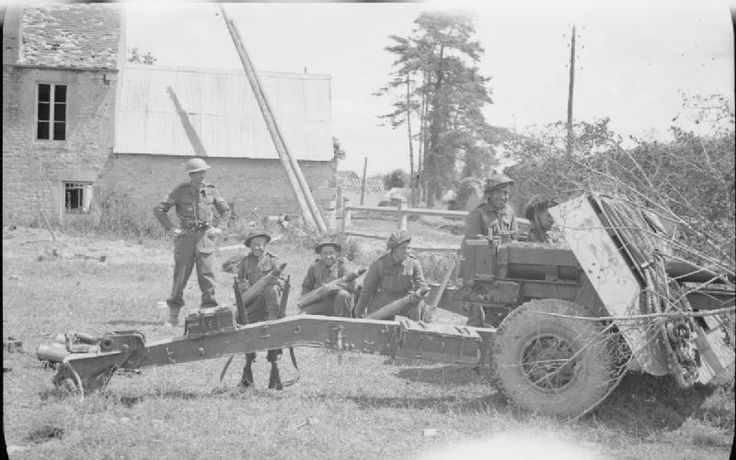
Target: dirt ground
[365,407]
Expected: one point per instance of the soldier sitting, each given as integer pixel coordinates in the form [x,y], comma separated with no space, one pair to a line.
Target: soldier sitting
[391,277]
[257,264]
[537,211]
[329,267]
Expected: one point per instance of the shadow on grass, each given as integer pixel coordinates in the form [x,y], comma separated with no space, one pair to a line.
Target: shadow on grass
[443,404]
[130,401]
[445,375]
[118,322]
[643,404]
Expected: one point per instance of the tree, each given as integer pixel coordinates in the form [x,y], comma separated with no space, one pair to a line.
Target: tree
[396,178]
[436,81]
[135,56]
[688,180]
[337,152]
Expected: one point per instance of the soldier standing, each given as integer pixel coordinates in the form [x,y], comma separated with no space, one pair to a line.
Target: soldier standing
[329,267]
[494,217]
[257,264]
[194,239]
[391,277]
[537,211]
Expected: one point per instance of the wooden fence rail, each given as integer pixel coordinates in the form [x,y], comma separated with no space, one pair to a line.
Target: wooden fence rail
[402,211]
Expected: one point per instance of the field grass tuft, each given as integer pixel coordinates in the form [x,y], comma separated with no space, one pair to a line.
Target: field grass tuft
[367,407]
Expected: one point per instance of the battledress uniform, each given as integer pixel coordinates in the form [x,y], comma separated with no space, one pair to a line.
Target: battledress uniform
[196,212]
[319,273]
[486,220]
[268,305]
[388,280]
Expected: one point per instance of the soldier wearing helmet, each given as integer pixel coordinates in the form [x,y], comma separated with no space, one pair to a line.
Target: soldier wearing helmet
[391,277]
[328,267]
[254,266]
[537,211]
[494,217]
[203,214]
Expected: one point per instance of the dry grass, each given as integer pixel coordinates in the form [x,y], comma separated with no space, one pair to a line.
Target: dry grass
[364,408]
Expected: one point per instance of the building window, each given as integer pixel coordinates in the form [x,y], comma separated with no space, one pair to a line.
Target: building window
[77,197]
[51,118]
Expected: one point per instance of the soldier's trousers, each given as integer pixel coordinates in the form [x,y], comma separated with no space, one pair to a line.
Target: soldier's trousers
[339,304]
[186,257]
[416,311]
[266,306]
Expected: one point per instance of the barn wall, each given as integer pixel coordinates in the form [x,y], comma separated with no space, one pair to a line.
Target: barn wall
[248,184]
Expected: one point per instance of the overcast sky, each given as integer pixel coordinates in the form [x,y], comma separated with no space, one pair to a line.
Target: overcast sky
[633,58]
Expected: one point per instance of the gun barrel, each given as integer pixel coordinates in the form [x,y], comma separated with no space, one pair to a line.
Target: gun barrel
[391,309]
[54,352]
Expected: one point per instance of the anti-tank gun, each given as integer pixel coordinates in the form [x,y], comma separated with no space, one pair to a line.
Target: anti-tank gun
[646,308]
[565,318]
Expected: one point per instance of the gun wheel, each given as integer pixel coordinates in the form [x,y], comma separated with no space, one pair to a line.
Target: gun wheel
[67,379]
[554,365]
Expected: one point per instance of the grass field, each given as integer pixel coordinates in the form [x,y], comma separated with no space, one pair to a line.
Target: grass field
[366,407]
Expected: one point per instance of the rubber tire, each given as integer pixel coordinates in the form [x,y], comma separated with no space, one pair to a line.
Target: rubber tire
[594,369]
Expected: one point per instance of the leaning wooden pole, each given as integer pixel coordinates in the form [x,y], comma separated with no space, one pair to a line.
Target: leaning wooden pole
[307,206]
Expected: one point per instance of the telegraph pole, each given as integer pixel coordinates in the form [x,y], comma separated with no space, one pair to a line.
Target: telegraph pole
[569,94]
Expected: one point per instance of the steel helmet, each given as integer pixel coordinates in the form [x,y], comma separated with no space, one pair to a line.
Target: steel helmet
[195,165]
[321,244]
[254,234]
[497,180]
[397,238]
[537,204]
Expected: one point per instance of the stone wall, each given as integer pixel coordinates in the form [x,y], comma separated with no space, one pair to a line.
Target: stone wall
[34,170]
[250,185]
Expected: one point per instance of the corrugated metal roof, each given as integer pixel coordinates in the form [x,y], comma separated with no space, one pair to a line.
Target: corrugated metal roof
[177,111]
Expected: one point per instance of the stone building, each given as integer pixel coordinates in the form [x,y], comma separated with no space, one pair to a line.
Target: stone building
[82,128]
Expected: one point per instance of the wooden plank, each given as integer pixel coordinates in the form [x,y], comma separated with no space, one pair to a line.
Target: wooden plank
[433,248]
[438,213]
[307,206]
[366,234]
[382,209]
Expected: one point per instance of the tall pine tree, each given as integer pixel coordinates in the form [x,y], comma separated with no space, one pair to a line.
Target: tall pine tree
[436,81]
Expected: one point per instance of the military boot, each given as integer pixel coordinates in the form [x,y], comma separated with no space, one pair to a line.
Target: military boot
[174,316]
[274,380]
[247,379]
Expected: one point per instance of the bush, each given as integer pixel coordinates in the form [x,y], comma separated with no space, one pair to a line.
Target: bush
[396,178]
[115,215]
[434,265]
[468,187]
[689,180]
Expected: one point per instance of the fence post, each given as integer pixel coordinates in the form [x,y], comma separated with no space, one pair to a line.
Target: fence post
[402,213]
[346,214]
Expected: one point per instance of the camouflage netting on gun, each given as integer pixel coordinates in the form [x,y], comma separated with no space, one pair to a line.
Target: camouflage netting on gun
[643,239]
